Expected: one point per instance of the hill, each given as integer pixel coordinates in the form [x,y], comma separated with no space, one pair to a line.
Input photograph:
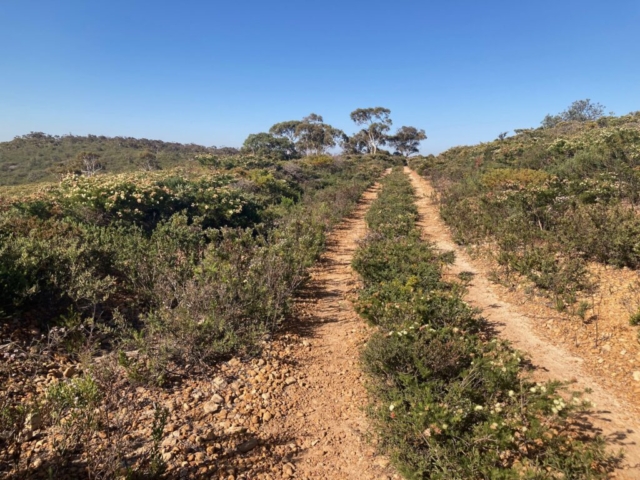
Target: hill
[37,157]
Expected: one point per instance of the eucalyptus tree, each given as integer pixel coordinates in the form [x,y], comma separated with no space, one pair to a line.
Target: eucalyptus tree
[286,129]
[268,145]
[407,140]
[355,144]
[88,163]
[377,123]
[315,137]
[148,160]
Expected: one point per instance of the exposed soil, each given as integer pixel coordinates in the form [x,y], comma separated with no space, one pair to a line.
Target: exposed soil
[325,415]
[613,415]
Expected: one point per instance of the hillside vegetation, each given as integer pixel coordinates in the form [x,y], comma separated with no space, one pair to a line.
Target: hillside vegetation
[548,200]
[38,157]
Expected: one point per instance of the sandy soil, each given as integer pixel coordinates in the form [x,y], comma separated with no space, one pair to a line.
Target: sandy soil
[326,417]
[612,415]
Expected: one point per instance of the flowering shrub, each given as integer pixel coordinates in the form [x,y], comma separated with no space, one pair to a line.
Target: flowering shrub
[448,401]
[146,198]
[201,264]
[549,200]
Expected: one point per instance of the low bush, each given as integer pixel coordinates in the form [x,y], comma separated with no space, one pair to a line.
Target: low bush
[548,200]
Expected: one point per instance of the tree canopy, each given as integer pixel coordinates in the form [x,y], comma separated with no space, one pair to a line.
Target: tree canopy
[286,129]
[407,140]
[377,123]
[315,137]
[268,145]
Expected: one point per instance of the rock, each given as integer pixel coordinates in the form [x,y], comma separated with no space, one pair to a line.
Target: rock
[211,407]
[33,422]
[70,372]
[37,463]
[167,456]
[217,399]
[636,376]
[248,445]
[200,457]
[267,416]
[169,442]
[289,381]
[288,470]
[382,462]
[234,430]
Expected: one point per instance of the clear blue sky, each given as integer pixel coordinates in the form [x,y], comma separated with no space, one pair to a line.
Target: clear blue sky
[211,72]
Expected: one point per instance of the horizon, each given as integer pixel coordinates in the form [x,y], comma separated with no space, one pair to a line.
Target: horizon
[212,75]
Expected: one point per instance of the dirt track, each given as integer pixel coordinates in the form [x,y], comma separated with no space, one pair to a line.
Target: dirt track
[611,414]
[326,416]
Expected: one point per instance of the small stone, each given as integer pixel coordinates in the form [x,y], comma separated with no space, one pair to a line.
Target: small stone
[636,376]
[200,457]
[248,445]
[70,372]
[167,456]
[169,442]
[211,407]
[267,416]
[288,470]
[217,399]
[289,381]
[234,430]
[37,463]
[33,422]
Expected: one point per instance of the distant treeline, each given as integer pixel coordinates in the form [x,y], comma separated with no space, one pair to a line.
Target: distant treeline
[39,157]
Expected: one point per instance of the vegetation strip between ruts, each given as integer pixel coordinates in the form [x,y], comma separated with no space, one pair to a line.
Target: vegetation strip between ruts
[449,402]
